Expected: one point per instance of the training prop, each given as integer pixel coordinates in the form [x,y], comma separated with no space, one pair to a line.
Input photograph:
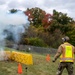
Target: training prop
[22,58]
[19,57]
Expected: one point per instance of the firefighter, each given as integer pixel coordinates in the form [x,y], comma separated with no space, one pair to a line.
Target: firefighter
[66,53]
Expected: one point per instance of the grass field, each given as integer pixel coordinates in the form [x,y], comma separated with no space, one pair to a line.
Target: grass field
[40,67]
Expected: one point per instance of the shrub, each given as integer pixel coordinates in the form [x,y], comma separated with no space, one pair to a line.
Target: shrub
[37,42]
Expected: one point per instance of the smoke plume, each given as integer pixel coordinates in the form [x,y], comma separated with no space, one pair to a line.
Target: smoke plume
[12,24]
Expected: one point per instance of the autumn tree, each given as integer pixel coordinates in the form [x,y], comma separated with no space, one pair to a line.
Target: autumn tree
[46,21]
[47,27]
[35,15]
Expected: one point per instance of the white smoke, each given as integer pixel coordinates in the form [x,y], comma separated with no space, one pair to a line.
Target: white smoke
[17,18]
[7,20]
[15,23]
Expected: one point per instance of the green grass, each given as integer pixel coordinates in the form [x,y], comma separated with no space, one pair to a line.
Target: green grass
[40,67]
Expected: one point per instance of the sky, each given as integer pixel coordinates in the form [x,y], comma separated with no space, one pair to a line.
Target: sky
[64,6]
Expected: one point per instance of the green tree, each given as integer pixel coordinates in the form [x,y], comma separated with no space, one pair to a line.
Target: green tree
[13,10]
[37,42]
[71,34]
[61,21]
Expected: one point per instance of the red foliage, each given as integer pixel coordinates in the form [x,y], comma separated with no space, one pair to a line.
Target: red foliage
[47,20]
[44,18]
[29,14]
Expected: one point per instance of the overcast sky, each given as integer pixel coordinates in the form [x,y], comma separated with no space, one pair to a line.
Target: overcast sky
[65,6]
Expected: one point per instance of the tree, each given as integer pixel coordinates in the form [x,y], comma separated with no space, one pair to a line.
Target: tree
[13,10]
[35,16]
[61,21]
[49,28]
[46,21]
[71,35]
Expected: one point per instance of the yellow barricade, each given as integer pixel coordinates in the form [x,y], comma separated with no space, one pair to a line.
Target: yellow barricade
[20,57]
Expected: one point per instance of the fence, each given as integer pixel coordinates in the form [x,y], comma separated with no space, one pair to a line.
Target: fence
[34,49]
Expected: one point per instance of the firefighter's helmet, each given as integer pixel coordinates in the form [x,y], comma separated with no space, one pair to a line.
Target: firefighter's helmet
[65,39]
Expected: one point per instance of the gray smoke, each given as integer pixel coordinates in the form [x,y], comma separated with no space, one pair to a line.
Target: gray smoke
[12,24]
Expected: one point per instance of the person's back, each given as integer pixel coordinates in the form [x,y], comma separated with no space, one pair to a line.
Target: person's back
[66,52]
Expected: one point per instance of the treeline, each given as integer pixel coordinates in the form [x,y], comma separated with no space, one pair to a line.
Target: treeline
[46,30]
